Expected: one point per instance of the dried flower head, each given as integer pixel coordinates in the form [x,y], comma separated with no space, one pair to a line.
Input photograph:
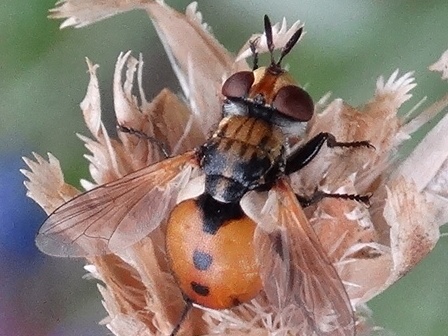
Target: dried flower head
[370,248]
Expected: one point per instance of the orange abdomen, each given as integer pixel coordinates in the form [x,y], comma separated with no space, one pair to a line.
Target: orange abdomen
[210,249]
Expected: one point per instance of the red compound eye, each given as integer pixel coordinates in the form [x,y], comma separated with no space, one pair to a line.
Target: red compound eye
[294,102]
[238,85]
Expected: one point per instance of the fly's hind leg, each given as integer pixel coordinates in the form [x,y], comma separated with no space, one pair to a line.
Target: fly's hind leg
[319,195]
[161,145]
[183,317]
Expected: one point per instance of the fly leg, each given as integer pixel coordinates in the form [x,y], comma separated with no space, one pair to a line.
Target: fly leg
[304,154]
[183,317]
[140,134]
[319,195]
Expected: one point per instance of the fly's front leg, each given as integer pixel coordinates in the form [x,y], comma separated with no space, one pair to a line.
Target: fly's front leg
[304,154]
[253,49]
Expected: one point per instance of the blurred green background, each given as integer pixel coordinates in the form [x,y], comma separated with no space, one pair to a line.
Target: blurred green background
[349,43]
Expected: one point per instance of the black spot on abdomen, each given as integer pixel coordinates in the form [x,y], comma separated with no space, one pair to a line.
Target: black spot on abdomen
[202,260]
[200,289]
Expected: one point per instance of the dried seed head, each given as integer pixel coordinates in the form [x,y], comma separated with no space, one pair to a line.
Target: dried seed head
[370,247]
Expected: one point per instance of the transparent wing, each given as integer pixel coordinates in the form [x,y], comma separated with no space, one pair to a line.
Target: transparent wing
[115,215]
[297,275]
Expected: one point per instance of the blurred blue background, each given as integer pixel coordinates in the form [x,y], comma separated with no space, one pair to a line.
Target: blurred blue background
[43,79]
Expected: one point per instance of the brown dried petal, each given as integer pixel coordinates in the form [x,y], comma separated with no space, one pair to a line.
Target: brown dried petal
[80,13]
[414,226]
[166,118]
[46,184]
[441,65]
[200,62]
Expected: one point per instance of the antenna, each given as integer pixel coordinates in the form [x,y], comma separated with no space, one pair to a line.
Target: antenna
[290,44]
[270,42]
